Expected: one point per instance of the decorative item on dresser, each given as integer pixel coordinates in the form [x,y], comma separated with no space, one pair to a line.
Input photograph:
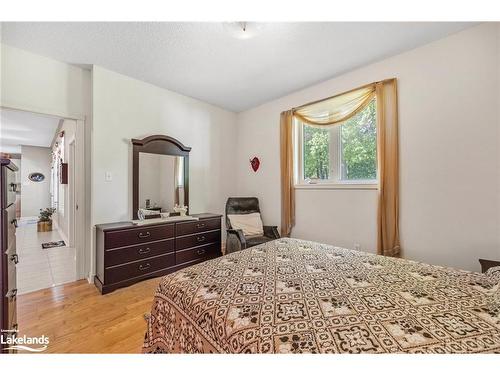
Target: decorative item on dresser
[128,253]
[8,255]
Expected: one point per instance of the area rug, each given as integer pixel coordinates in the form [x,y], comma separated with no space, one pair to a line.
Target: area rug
[49,245]
[26,221]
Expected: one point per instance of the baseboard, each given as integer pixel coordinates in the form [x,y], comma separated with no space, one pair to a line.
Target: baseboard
[61,233]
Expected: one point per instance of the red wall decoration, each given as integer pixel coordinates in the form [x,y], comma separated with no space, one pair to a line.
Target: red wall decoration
[255,163]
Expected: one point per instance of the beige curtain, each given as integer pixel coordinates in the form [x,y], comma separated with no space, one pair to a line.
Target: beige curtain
[388,168]
[336,109]
[333,111]
[287,189]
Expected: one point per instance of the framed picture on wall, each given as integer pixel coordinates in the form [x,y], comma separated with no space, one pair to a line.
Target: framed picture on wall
[63,173]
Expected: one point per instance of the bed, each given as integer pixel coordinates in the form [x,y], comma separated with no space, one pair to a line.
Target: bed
[295,296]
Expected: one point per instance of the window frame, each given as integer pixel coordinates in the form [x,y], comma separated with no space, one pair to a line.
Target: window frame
[335,182]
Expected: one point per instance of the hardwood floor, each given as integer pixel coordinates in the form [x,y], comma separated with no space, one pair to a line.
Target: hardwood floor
[78,319]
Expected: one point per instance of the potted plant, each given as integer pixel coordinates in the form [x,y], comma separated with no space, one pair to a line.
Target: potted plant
[45,219]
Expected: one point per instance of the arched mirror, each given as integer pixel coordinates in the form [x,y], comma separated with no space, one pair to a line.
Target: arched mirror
[160,174]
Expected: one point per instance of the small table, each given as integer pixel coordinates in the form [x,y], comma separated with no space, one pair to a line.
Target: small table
[486,264]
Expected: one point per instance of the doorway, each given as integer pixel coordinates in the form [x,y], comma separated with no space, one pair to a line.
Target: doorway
[46,149]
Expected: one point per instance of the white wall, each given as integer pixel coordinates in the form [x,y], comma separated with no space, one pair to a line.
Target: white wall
[34,195]
[40,84]
[125,108]
[449,154]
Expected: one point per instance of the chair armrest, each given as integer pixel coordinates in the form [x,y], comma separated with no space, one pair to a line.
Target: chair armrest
[271,231]
[239,235]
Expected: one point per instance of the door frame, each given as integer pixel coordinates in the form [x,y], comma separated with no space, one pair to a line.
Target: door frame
[71,198]
[81,202]
[82,197]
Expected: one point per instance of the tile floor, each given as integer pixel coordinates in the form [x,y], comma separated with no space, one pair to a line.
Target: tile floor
[39,268]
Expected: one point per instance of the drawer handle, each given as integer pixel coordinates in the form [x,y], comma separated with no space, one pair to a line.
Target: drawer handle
[14,258]
[200,239]
[201,251]
[200,225]
[14,221]
[142,235]
[12,294]
[144,251]
[144,267]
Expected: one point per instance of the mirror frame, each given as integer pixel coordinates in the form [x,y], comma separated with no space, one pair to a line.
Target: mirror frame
[163,145]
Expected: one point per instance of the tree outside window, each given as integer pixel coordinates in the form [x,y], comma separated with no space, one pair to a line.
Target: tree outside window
[346,152]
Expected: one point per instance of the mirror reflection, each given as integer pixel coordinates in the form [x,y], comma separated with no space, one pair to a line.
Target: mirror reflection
[161,182]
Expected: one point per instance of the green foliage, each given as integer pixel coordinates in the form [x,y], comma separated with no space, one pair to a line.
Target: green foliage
[316,153]
[358,142]
[46,214]
[359,145]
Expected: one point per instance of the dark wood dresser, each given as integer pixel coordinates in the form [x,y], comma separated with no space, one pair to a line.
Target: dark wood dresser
[8,255]
[128,253]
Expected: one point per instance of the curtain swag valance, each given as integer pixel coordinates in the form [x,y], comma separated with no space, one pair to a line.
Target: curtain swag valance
[335,110]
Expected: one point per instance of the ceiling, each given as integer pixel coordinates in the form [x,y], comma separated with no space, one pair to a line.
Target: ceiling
[205,61]
[25,128]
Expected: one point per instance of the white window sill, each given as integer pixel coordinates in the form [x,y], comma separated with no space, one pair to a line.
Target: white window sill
[344,186]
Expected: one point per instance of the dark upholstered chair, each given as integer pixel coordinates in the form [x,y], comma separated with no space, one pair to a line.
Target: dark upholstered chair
[235,239]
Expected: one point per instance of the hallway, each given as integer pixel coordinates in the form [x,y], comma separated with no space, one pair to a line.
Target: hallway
[42,268]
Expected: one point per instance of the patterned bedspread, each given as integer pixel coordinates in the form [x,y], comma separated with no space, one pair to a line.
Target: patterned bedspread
[294,296]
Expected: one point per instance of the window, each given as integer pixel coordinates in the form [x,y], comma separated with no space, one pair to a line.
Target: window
[342,154]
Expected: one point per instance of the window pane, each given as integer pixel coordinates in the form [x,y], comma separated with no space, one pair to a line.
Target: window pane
[316,153]
[359,145]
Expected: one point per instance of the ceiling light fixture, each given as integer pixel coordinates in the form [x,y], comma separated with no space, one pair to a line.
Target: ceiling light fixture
[243,29]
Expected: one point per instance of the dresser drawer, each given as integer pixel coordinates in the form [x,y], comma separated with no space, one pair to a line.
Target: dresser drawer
[11,271]
[9,215]
[138,252]
[197,240]
[10,184]
[12,321]
[134,269]
[11,299]
[126,237]
[197,253]
[197,226]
